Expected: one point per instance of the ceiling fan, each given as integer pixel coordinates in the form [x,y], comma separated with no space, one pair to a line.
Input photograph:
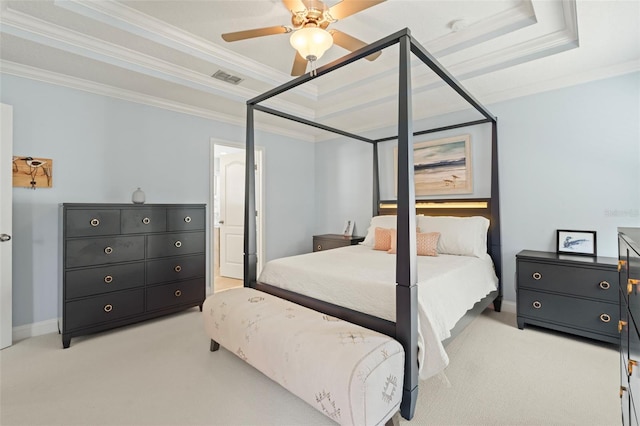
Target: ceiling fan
[310,37]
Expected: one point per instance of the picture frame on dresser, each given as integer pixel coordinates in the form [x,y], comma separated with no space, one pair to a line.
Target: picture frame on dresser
[348,227]
[582,243]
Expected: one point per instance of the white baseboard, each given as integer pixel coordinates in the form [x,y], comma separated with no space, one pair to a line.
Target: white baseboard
[508,306]
[34,329]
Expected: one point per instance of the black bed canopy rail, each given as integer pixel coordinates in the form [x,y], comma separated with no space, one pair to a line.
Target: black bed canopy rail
[406,262]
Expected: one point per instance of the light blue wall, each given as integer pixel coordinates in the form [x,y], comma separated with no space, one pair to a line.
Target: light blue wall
[569,159]
[103,148]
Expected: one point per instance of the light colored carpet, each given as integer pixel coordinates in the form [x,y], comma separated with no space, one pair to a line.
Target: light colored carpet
[161,373]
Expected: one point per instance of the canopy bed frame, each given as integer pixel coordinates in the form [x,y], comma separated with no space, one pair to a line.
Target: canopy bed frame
[404,329]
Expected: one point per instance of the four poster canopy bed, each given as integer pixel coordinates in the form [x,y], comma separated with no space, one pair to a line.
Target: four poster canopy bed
[359,284]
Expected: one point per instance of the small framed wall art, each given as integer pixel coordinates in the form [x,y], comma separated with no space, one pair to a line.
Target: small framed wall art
[582,243]
[31,172]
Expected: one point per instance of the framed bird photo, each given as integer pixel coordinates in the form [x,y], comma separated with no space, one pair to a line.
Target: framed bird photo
[582,243]
[442,166]
[31,172]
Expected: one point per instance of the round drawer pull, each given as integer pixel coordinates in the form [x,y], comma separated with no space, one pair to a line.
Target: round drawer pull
[108,250]
[178,268]
[178,244]
[108,308]
[146,221]
[94,222]
[108,279]
[319,247]
[537,305]
[604,285]
[537,275]
[605,318]
[178,293]
[187,219]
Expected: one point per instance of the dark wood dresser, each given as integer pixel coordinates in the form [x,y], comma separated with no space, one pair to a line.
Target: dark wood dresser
[629,268]
[573,294]
[124,263]
[331,241]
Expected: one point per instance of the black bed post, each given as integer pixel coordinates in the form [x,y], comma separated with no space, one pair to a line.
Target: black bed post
[376,181]
[406,289]
[496,246]
[250,257]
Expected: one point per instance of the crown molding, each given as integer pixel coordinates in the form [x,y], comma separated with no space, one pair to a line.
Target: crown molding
[512,19]
[135,22]
[563,82]
[518,92]
[32,73]
[564,38]
[36,30]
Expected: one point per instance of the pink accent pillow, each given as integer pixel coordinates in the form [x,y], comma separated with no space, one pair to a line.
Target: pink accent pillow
[426,243]
[383,239]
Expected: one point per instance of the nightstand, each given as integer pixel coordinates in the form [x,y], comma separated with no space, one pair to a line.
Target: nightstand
[573,294]
[331,241]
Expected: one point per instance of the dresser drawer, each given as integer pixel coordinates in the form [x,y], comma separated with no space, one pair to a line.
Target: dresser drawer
[175,294]
[103,308]
[90,281]
[175,268]
[175,244]
[584,314]
[97,251]
[185,219]
[141,220]
[92,222]
[579,281]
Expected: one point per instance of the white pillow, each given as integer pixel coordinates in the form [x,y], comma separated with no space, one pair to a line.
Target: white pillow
[386,221]
[464,236]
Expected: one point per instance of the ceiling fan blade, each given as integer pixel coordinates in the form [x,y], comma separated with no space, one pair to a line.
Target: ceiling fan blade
[351,43]
[349,7]
[294,5]
[299,65]
[258,32]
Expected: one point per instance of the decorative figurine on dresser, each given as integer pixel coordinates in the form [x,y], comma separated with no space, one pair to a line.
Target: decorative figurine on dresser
[629,269]
[569,293]
[125,263]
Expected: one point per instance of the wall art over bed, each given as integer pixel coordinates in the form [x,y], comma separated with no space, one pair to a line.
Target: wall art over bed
[442,166]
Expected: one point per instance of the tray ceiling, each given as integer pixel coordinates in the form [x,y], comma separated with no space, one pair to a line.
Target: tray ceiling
[164,53]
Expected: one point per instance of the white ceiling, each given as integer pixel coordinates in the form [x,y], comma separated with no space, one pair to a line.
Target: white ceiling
[164,53]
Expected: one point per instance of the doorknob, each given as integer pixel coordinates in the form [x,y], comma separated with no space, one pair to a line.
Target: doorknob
[221,222]
[4,237]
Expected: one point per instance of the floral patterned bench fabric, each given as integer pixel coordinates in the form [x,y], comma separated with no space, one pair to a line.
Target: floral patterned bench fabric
[351,374]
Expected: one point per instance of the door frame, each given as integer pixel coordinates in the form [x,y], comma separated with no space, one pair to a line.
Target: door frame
[6,187]
[259,158]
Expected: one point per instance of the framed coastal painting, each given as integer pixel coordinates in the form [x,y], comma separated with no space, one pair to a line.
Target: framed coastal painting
[442,166]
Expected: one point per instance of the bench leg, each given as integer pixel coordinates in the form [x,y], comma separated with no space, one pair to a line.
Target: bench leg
[214,346]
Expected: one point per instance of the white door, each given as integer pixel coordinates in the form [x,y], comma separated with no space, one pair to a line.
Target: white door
[6,177]
[232,215]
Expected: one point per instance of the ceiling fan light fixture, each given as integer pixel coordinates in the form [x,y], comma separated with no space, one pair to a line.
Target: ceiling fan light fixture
[311,42]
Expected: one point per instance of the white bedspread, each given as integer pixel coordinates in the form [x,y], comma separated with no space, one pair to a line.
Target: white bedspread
[363,279]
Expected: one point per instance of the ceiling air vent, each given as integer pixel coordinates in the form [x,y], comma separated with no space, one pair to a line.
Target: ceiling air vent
[228,78]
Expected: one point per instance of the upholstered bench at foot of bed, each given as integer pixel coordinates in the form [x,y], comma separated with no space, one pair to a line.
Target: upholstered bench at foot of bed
[349,373]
